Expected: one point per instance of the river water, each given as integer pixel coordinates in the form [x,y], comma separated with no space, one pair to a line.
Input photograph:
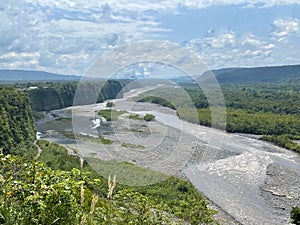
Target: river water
[234,182]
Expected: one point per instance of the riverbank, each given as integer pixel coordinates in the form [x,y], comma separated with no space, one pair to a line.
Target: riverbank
[229,169]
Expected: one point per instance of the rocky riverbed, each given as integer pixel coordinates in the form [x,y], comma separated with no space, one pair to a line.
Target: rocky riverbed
[253,182]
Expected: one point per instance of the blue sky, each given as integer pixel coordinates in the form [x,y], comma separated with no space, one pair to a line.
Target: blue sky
[68,36]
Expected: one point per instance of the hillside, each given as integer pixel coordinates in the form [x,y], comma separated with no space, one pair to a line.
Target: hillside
[225,75]
[17,131]
[56,95]
[258,74]
[55,189]
[28,75]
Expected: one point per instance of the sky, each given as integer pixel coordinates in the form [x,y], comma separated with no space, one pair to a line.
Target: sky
[67,37]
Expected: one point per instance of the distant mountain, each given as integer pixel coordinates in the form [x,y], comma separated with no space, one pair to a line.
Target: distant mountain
[27,75]
[258,74]
[227,75]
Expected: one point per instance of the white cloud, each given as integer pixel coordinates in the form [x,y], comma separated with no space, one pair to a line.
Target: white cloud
[56,28]
[144,5]
[245,3]
[251,40]
[283,28]
[230,49]
[65,36]
[268,46]
[214,41]
[15,55]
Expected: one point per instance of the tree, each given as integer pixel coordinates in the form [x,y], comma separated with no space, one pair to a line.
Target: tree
[109,104]
[295,215]
[149,117]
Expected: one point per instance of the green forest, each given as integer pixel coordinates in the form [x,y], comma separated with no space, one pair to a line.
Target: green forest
[17,130]
[45,96]
[271,110]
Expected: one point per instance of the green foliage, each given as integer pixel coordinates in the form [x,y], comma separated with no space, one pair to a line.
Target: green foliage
[180,198]
[157,100]
[83,137]
[135,117]
[149,117]
[58,124]
[109,104]
[56,95]
[127,173]
[37,115]
[260,108]
[283,141]
[32,193]
[131,145]
[167,96]
[56,156]
[272,74]
[266,98]
[295,215]
[110,114]
[17,131]
[105,141]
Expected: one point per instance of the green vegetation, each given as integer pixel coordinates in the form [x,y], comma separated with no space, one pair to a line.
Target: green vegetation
[180,198]
[135,117]
[274,74]
[149,117]
[109,104]
[56,156]
[83,137]
[110,114]
[295,215]
[37,115]
[105,141]
[130,145]
[56,95]
[284,140]
[271,110]
[140,129]
[157,100]
[127,173]
[59,124]
[17,131]
[33,193]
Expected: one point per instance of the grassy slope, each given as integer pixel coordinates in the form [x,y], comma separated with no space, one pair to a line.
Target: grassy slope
[173,195]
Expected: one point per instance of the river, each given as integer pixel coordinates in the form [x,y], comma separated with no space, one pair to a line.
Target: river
[242,182]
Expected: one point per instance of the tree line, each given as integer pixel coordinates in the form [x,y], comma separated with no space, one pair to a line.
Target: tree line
[56,95]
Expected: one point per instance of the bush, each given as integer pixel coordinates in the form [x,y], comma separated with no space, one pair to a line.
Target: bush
[295,215]
[135,117]
[149,117]
[109,104]
[110,114]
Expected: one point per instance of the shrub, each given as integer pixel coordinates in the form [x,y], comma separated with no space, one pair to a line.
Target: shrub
[295,215]
[149,117]
[109,104]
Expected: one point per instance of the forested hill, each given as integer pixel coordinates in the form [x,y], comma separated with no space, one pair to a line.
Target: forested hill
[258,74]
[56,95]
[28,75]
[17,130]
